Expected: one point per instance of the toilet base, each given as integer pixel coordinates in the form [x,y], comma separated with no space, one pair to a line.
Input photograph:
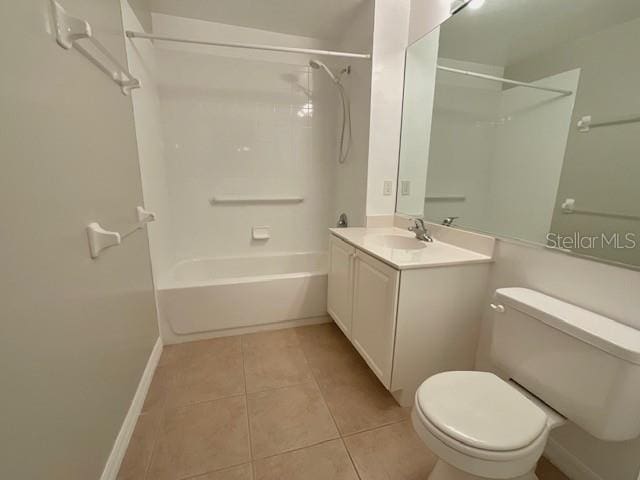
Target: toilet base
[444,471]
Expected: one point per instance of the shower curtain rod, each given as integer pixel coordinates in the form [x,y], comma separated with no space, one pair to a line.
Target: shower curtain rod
[504,80]
[252,46]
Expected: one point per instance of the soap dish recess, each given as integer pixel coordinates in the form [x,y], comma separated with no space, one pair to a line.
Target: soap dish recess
[261,233]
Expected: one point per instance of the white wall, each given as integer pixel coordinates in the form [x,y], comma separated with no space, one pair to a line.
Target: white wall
[240,123]
[391,24]
[76,332]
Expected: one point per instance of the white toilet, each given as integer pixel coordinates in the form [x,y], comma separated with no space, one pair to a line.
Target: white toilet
[561,361]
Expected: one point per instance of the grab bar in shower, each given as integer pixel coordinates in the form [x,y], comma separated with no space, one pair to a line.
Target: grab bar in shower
[445,198]
[245,199]
[71,29]
[568,207]
[586,123]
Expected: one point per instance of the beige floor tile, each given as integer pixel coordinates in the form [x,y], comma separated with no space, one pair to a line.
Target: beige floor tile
[324,340]
[288,418]
[327,461]
[204,371]
[361,402]
[548,471]
[201,438]
[357,400]
[204,379]
[138,456]
[331,356]
[243,472]
[267,368]
[390,453]
[273,339]
[172,354]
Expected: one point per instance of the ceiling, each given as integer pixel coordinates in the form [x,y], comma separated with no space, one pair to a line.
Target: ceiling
[503,32]
[324,19]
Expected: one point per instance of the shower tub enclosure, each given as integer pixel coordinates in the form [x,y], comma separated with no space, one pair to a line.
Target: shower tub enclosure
[203,298]
[236,140]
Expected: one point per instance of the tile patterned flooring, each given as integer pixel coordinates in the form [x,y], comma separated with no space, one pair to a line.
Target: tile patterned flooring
[280,405]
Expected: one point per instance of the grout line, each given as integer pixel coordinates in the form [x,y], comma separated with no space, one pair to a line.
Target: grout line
[355,467]
[297,449]
[370,429]
[246,405]
[200,402]
[311,381]
[228,467]
[317,383]
[344,435]
[156,440]
[324,400]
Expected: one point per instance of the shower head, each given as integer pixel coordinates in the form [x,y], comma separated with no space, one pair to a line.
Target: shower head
[317,64]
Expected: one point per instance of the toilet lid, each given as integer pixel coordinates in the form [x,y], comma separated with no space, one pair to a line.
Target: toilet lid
[480,410]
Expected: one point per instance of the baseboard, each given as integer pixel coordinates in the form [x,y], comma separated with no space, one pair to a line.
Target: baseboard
[112,466]
[569,464]
[169,337]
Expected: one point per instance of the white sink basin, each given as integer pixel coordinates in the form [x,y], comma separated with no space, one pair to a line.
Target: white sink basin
[399,242]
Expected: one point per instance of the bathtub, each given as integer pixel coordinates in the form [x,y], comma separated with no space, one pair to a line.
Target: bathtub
[210,297]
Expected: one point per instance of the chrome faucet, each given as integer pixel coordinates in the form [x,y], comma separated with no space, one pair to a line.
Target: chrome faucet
[420,230]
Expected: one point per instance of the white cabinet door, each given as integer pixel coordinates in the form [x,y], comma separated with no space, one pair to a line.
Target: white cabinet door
[375,298]
[340,292]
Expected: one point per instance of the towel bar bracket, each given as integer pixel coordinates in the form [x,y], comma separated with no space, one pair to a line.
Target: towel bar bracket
[70,29]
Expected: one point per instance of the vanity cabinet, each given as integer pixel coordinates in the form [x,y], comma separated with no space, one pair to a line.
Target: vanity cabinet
[362,299]
[407,324]
[340,290]
[375,294]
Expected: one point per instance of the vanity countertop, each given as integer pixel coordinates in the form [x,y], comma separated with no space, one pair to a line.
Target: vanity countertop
[434,254]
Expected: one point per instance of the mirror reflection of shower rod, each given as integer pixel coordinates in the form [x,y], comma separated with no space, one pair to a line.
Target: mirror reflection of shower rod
[504,80]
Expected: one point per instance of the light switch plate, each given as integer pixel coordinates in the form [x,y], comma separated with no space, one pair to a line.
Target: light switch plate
[405,187]
[387,187]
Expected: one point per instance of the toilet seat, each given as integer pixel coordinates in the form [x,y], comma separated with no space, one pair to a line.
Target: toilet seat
[460,430]
[480,410]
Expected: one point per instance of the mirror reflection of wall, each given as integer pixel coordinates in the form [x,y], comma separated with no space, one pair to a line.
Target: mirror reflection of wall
[506,157]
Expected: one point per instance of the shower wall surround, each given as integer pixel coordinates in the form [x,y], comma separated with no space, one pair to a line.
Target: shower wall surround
[221,122]
[241,126]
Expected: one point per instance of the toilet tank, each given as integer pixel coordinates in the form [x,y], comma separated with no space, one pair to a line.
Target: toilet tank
[584,365]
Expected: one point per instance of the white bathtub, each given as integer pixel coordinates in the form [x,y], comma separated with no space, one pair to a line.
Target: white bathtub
[217,296]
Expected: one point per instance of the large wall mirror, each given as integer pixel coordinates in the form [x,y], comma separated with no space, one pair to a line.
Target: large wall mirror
[522,119]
